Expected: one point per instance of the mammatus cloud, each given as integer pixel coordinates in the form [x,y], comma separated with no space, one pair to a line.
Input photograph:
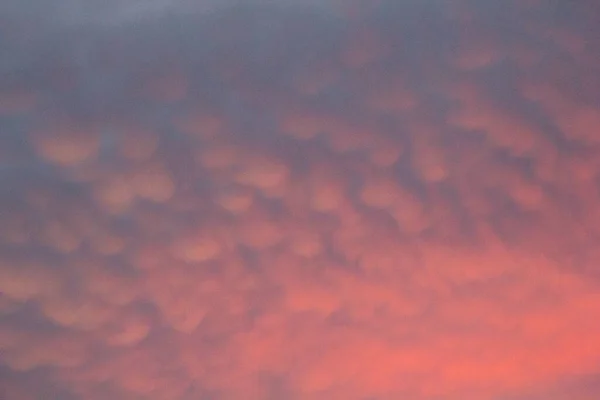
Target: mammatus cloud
[392,200]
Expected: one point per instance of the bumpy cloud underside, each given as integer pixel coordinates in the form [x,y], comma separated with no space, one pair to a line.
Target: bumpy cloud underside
[300,200]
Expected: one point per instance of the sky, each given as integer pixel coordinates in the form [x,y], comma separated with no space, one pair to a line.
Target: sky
[300,200]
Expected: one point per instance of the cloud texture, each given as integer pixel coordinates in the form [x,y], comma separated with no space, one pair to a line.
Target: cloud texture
[286,200]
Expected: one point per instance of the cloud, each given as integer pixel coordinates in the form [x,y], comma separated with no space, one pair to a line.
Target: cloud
[283,200]
[65,142]
[136,142]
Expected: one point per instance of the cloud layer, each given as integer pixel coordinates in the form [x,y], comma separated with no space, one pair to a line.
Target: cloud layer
[351,200]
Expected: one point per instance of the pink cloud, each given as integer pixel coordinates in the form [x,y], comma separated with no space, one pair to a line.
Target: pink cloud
[408,214]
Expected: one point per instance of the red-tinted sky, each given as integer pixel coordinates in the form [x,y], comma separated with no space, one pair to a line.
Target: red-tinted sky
[290,200]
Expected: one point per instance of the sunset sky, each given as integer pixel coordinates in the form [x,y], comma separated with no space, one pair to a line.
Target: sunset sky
[300,200]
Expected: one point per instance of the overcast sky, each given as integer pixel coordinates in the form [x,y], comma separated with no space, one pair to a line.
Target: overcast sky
[290,200]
